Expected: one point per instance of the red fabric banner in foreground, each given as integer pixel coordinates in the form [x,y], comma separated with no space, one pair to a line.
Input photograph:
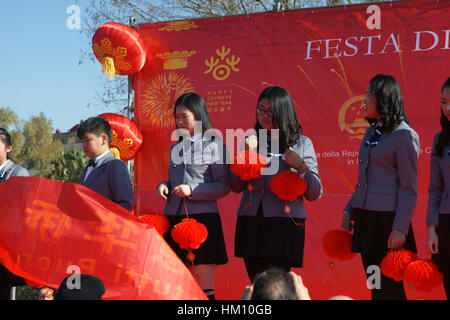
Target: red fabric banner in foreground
[48,226]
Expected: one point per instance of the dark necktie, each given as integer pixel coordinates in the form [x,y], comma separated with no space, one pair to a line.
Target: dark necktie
[92,163]
[373,140]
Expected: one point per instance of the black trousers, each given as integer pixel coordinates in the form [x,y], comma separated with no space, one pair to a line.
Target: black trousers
[389,288]
[258,265]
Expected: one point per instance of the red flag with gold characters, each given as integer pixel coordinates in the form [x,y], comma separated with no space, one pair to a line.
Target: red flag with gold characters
[48,229]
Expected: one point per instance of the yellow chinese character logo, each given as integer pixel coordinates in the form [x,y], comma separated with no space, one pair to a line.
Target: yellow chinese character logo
[221,68]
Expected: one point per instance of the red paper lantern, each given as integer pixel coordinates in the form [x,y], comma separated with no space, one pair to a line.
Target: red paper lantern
[247,165]
[119,48]
[189,234]
[288,185]
[423,275]
[337,245]
[395,263]
[159,221]
[126,138]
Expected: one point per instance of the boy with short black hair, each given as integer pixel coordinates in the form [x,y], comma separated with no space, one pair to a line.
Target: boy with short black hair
[104,174]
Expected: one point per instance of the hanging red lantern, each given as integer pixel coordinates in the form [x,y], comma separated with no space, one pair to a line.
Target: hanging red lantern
[119,48]
[189,234]
[159,221]
[247,166]
[395,263]
[337,245]
[126,138]
[288,186]
[423,275]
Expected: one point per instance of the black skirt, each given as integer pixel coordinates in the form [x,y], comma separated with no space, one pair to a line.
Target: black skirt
[270,237]
[372,230]
[212,251]
[442,259]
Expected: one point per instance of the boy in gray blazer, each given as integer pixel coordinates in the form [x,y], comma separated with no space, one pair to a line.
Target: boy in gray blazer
[104,174]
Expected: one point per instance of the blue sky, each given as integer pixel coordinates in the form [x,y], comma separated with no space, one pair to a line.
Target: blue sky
[39,70]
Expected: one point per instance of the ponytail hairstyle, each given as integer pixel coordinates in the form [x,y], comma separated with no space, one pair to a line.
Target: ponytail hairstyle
[5,137]
[444,137]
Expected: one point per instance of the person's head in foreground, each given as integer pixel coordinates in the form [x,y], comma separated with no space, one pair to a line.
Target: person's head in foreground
[86,287]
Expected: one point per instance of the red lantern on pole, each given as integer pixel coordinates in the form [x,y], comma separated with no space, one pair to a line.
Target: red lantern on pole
[119,48]
[126,138]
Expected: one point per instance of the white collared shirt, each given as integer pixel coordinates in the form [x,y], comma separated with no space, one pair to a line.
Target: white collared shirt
[91,168]
[2,166]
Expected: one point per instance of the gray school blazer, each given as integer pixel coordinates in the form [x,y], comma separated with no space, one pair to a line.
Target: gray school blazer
[203,167]
[12,169]
[439,187]
[387,175]
[111,179]
[272,205]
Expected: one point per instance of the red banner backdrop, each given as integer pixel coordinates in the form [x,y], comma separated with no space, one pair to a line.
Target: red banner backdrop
[49,229]
[325,59]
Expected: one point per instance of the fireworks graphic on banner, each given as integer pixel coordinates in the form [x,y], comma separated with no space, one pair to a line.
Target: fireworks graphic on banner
[160,95]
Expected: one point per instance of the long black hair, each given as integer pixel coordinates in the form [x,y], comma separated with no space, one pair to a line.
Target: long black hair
[389,101]
[444,137]
[5,137]
[283,116]
[194,103]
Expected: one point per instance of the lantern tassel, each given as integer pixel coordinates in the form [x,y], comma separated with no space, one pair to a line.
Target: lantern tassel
[115,152]
[108,67]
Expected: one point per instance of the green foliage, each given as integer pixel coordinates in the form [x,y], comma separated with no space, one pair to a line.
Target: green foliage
[33,144]
[27,293]
[68,166]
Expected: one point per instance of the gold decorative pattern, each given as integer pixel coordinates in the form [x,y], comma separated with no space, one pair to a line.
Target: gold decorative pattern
[124,145]
[221,68]
[179,26]
[117,53]
[351,117]
[175,60]
[160,95]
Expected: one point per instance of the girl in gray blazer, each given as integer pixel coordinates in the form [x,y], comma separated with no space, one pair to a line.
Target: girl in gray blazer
[438,213]
[8,169]
[197,178]
[385,196]
[265,235]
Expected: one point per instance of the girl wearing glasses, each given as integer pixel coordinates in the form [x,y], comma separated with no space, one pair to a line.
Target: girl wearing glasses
[265,235]
[438,213]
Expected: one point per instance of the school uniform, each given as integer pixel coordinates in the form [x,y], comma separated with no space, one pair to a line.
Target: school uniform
[109,177]
[385,197]
[438,211]
[9,280]
[200,163]
[265,235]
